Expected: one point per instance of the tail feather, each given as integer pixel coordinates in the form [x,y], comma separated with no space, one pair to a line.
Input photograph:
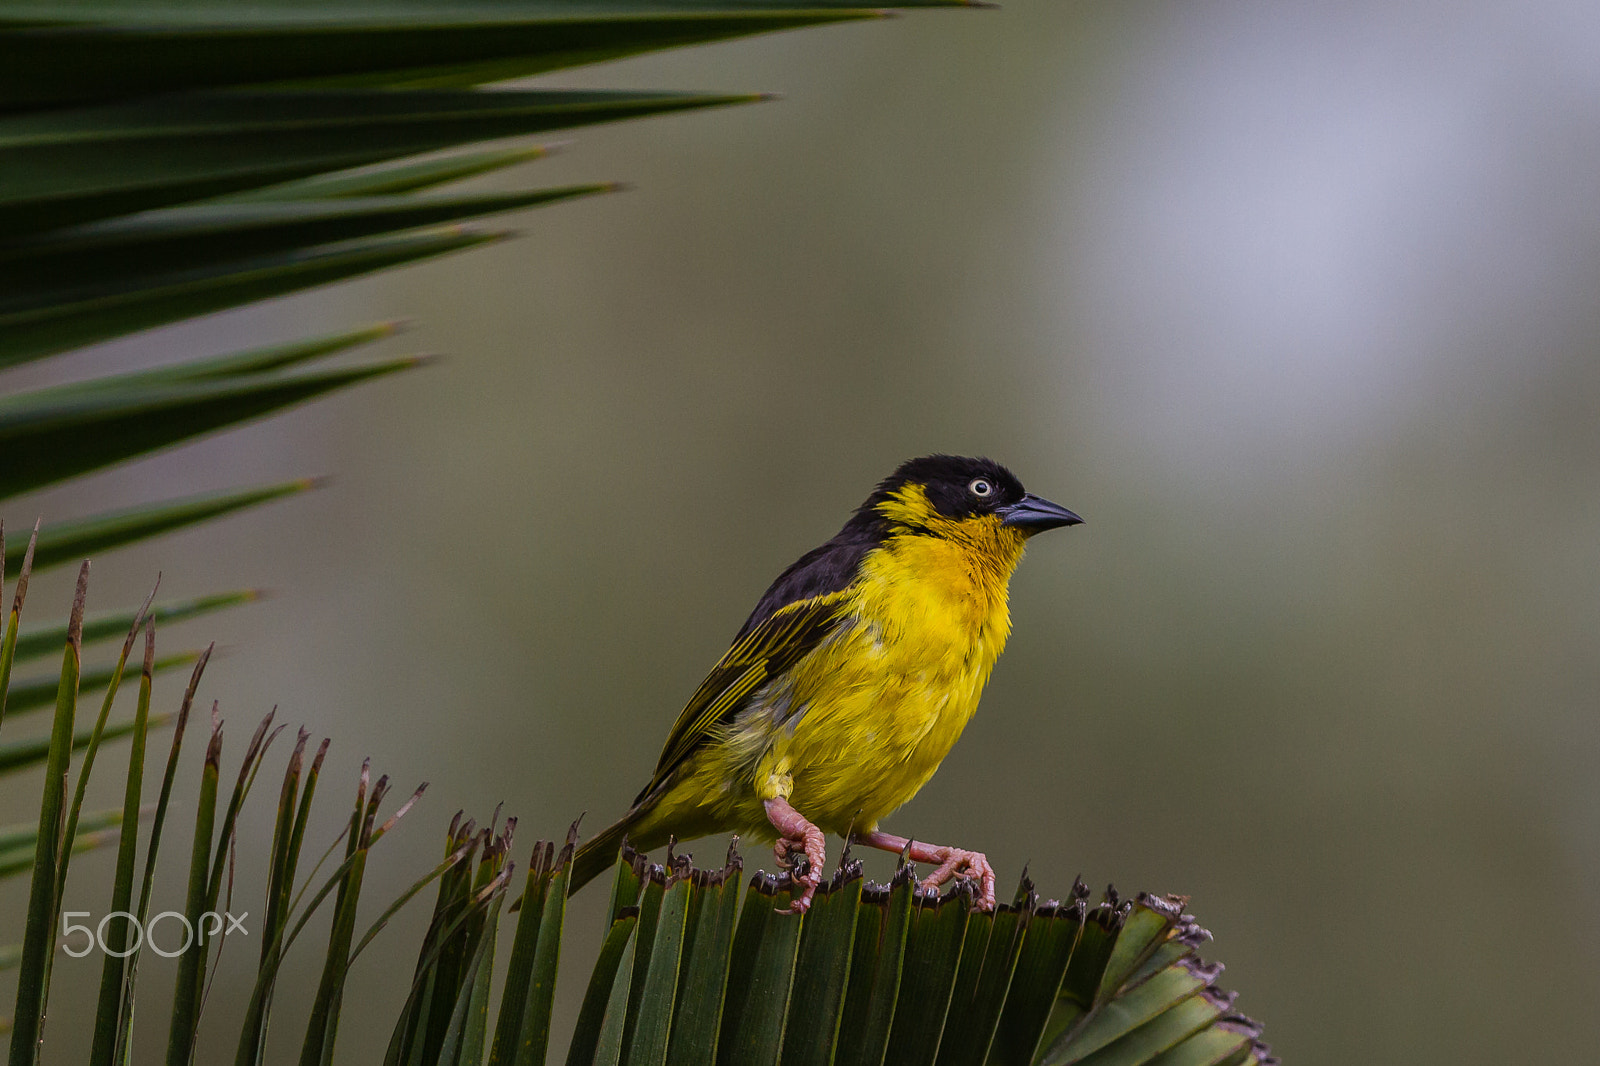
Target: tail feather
[597,856]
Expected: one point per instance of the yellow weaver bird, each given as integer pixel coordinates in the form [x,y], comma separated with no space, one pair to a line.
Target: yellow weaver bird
[851,680]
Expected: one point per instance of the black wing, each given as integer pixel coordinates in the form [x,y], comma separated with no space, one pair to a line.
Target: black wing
[796,614]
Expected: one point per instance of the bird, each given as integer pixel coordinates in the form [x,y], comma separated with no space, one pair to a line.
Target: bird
[849,683]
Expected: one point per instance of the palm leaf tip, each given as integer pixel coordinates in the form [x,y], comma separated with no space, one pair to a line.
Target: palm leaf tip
[67,541]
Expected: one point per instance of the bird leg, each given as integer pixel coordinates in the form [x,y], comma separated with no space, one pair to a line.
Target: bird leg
[797,838]
[949,862]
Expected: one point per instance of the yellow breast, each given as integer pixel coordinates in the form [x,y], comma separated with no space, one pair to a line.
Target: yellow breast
[875,709]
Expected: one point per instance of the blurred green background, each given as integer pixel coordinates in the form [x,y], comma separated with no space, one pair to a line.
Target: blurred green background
[1293,302]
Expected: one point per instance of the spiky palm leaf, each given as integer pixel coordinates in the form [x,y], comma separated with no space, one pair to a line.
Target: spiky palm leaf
[693,969]
[160,161]
[872,974]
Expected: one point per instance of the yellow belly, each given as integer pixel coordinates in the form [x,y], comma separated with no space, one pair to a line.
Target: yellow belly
[860,724]
[877,736]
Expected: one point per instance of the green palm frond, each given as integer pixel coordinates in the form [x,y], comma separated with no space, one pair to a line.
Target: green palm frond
[872,974]
[82,52]
[64,542]
[695,966]
[62,437]
[162,159]
[38,693]
[106,626]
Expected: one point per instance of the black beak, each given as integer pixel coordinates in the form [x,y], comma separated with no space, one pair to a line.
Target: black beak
[1032,514]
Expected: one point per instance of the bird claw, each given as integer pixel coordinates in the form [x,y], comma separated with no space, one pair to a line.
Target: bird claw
[801,849]
[804,874]
[959,864]
[948,863]
[799,904]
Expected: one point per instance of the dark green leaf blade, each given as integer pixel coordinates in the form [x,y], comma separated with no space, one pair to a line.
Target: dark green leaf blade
[934,941]
[13,617]
[627,885]
[882,923]
[1164,1031]
[984,980]
[108,1031]
[757,1000]
[187,986]
[25,835]
[822,970]
[1145,928]
[41,692]
[409,1042]
[29,335]
[39,930]
[96,734]
[280,877]
[60,168]
[21,754]
[20,860]
[55,441]
[1229,1040]
[609,1042]
[168,50]
[652,1025]
[234,364]
[607,981]
[1096,941]
[522,1034]
[383,12]
[1165,956]
[1053,932]
[152,853]
[166,250]
[534,1032]
[519,968]
[393,179]
[650,900]
[1127,1012]
[76,539]
[464,1039]
[106,626]
[697,1018]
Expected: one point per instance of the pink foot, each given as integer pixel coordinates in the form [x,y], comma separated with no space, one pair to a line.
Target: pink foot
[796,836]
[949,862]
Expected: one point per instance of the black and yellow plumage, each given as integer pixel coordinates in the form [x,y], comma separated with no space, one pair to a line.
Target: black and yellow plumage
[852,678]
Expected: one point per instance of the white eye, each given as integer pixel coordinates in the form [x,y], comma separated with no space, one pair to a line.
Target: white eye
[980,487]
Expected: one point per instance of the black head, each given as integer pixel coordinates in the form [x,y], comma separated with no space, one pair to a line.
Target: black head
[957,487]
